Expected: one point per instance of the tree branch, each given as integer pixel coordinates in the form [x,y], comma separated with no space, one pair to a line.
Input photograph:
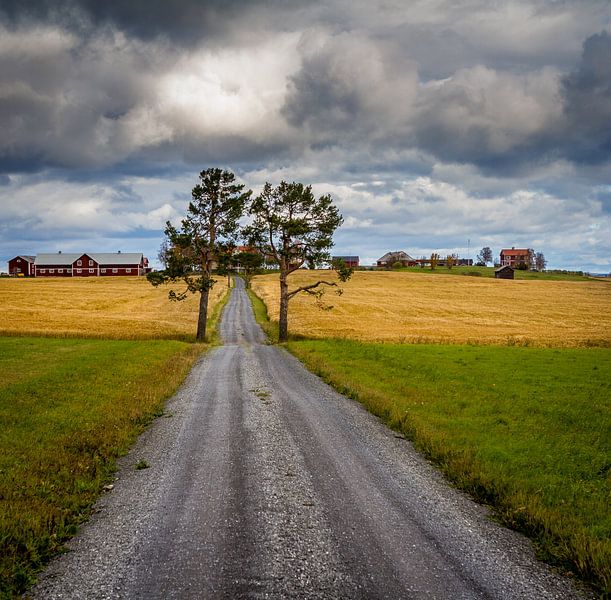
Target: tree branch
[309,288]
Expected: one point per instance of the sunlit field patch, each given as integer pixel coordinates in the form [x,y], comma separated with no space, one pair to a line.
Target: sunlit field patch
[417,308]
[100,307]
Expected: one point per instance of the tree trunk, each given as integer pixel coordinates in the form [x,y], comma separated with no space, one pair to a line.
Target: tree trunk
[203,313]
[283,322]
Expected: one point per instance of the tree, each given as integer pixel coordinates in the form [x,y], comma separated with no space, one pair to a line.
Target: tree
[531,259]
[450,260]
[434,260]
[206,235]
[485,255]
[294,228]
[248,264]
[540,262]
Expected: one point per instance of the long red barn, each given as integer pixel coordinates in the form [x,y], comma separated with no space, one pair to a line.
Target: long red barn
[89,264]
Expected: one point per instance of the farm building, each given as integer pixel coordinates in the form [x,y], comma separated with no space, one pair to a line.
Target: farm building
[351,261]
[390,258]
[505,272]
[21,266]
[91,264]
[514,257]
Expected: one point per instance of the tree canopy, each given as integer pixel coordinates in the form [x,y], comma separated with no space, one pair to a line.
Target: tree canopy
[485,256]
[293,228]
[207,234]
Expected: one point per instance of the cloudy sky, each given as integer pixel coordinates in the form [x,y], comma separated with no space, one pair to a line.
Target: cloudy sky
[436,125]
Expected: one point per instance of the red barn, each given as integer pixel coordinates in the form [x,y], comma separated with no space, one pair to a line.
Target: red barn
[21,266]
[91,264]
[351,261]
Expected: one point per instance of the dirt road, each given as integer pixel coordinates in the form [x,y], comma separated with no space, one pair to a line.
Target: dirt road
[265,483]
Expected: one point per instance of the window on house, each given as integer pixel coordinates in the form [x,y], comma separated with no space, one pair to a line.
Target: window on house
[18,260]
[91,263]
[79,262]
[114,270]
[79,270]
[91,270]
[102,270]
[42,270]
[60,270]
[128,270]
[51,270]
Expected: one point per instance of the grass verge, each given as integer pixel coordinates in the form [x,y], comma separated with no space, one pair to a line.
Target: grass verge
[68,409]
[262,317]
[523,429]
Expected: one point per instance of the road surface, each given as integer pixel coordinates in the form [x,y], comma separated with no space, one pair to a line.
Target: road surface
[265,483]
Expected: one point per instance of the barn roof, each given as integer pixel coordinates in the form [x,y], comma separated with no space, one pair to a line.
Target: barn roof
[25,257]
[504,268]
[350,258]
[57,258]
[102,258]
[116,258]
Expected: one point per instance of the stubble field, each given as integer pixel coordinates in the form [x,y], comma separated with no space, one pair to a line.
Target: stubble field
[417,308]
[100,307]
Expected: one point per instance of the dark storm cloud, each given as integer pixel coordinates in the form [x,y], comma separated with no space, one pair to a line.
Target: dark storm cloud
[587,96]
[184,22]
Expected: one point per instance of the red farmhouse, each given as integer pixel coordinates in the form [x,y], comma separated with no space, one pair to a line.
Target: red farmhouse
[515,256]
[91,264]
[22,266]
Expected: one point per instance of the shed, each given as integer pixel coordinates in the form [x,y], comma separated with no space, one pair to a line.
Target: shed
[351,261]
[504,272]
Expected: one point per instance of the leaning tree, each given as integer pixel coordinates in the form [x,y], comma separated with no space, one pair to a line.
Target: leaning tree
[293,228]
[206,235]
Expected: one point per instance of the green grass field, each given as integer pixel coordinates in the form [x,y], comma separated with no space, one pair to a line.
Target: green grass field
[524,429]
[68,409]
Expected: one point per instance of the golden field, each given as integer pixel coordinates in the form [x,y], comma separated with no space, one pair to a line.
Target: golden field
[105,307]
[420,308]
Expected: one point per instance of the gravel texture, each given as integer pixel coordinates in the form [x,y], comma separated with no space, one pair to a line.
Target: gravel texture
[265,483]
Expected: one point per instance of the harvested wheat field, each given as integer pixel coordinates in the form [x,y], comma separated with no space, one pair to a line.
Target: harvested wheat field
[105,307]
[413,307]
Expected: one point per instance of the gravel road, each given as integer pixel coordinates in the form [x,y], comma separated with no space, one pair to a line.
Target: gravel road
[265,483]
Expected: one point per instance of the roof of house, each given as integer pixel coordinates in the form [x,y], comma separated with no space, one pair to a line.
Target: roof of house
[504,268]
[102,258]
[396,255]
[350,258]
[515,251]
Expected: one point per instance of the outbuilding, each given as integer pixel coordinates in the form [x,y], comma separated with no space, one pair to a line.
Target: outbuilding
[351,261]
[504,272]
